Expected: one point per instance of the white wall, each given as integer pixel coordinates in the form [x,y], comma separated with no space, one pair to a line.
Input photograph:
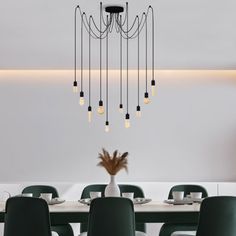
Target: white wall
[189,34]
[187,133]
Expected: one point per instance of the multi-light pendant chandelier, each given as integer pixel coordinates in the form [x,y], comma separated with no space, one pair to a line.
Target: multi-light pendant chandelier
[114,19]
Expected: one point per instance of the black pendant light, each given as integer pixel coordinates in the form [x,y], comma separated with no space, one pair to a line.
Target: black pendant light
[114,18]
[89,107]
[138,108]
[107,95]
[121,72]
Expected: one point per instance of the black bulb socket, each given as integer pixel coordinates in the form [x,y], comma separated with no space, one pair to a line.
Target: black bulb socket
[75,83]
[138,108]
[100,103]
[107,123]
[127,116]
[121,106]
[89,108]
[81,94]
[153,82]
[146,95]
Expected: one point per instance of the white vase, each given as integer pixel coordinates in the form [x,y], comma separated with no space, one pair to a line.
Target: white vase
[112,189]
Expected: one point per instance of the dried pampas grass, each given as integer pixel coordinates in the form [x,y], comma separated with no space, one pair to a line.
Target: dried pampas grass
[113,163]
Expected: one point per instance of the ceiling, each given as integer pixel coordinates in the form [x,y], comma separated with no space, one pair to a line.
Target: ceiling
[190,34]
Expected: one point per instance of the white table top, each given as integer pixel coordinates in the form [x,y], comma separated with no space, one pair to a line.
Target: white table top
[153,206]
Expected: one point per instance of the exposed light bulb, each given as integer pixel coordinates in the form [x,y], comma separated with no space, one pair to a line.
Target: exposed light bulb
[89,114]
[138,111]
[121,108]
[101,109]
[107,128]
[153,90]
[127,121]
[153,87]
[75,87]
[138,114]
[146,98]
[81,100]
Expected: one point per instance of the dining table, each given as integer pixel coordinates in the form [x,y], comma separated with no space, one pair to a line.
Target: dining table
[152,212]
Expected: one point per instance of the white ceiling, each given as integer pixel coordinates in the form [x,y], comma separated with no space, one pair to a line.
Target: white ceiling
[189,33]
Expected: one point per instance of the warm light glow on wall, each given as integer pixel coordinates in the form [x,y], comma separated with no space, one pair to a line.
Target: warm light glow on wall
[165,76]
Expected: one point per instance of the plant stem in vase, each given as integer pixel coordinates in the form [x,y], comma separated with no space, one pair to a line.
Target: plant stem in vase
[113,164]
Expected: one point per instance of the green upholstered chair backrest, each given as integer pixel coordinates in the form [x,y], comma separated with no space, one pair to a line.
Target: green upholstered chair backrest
[26,216]
[36,190]
[111,216]
[138,192]
[168,228]
[217,217]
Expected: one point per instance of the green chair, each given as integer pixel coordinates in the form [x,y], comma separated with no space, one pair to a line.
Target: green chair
[138,192]
[27,216]
[168,228]
[111,216]
[188,188]
[217,217]
[36,190]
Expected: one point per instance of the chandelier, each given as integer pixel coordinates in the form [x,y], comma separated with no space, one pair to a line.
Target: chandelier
[113,19]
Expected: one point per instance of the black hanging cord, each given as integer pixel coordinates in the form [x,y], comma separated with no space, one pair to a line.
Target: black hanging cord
[82,52]
[107,26]
[107,75]
[152,44]
[135,33]
[146,52]
[127,69]
[100,52]
[121,105]
[75,48]
[89,64]
[153,76]
[138,63]
[86,23]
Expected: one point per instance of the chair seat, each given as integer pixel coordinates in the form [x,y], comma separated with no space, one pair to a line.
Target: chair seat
[184,233]
[137,233]
[140,233]
[54,233]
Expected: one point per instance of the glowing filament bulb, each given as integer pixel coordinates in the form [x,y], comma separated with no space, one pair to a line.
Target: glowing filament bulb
[138,111]
[81,101]
[146,98]
[153,87]
[101,109]
[107,128]
[75,87]
[121,108]
[89,114]
[127,121]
